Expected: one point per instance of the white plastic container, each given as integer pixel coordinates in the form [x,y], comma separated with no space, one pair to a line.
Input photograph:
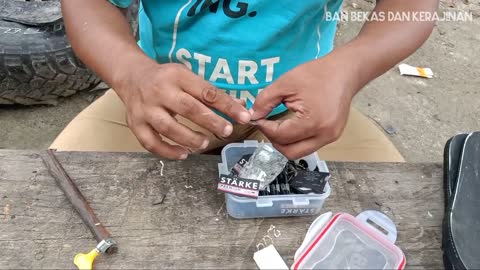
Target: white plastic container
[348,242]
[274,205]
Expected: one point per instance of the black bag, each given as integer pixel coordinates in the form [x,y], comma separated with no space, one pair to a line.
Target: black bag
[461,224]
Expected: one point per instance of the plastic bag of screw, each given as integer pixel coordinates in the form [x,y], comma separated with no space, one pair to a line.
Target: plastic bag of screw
[294,178]
[264,165]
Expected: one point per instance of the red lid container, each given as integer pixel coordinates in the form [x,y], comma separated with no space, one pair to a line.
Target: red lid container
[348,242]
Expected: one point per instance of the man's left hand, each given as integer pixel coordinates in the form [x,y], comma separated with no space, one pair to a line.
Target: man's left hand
[319,94]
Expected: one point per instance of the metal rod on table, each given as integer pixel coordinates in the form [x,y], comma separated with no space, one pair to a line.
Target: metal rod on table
[86,213]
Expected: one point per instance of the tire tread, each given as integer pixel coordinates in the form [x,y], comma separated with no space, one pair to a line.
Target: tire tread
[30,79]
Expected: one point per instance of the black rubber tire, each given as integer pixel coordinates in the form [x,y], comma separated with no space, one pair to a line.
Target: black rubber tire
[37,63]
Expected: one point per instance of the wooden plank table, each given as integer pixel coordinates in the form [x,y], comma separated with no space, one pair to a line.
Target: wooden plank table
[191,229]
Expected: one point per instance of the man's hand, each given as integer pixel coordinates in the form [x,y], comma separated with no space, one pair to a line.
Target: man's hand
[155,94]
[319,93]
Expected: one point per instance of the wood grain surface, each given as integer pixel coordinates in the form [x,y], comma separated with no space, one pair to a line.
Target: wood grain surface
[190,227]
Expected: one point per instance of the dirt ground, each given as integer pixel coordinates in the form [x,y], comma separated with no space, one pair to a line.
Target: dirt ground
[419,115]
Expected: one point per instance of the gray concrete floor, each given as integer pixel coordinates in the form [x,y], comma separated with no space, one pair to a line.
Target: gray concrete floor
[419,115]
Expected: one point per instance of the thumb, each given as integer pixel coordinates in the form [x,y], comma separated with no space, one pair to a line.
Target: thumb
[266,101]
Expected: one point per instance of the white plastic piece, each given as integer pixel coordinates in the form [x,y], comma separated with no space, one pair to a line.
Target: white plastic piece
[381,220]
[299,202]
[322,166]
[250,143]
[268,258]
[311,161]
[415,71]
[222,168]
[313,231]
[261,202]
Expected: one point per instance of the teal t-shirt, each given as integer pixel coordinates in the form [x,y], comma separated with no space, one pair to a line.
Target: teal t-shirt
[238,46]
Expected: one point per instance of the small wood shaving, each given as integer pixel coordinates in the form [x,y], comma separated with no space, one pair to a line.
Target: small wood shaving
[161,169]
[6,211]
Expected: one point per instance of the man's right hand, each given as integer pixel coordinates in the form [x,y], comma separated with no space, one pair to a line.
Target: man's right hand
[152,93]
[155,94]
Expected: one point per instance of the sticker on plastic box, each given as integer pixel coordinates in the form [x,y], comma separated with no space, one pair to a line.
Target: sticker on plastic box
[239,186]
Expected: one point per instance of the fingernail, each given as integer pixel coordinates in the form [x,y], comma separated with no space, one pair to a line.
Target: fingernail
[244,117]
[183,156]
[227,130]
[204,144]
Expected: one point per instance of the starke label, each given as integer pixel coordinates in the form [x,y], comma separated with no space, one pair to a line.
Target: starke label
[238,186]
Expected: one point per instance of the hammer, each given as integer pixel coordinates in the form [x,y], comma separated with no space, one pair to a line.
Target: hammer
[105,244]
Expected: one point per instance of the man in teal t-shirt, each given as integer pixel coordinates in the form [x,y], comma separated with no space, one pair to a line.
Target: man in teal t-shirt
[208,72]
[237,46]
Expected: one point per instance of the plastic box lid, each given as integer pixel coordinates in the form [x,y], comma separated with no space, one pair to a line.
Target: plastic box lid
[348,242]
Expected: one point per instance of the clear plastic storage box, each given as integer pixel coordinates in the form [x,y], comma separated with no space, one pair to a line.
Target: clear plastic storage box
[347,242]
[275,205]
